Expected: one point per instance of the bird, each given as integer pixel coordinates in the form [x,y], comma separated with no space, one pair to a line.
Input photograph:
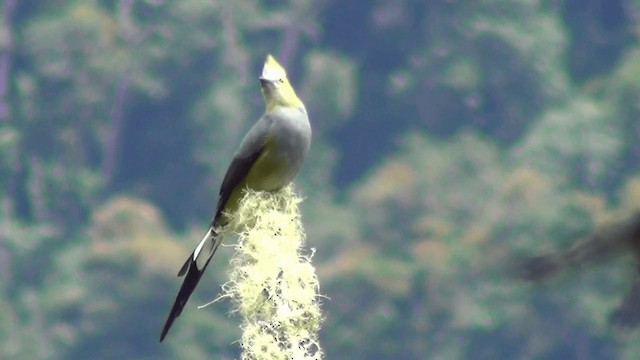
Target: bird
[616,237]
[268,159]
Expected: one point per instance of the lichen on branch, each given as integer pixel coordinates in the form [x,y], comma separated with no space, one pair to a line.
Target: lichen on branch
[272,282]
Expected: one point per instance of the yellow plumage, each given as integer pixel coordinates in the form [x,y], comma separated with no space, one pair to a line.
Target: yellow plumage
[276,89]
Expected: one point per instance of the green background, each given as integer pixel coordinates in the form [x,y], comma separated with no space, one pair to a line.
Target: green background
[450,137]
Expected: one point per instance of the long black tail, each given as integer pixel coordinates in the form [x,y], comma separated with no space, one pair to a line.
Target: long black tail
[190,282]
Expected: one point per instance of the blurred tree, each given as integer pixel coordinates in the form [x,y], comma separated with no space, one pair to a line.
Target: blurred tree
[107,295]
[489,65]
[600,31]
[579,142]
[449,138]
[432,262]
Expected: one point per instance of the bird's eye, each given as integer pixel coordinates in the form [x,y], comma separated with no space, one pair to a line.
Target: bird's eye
[281,80]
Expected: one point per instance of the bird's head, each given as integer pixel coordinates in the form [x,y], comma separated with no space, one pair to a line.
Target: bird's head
[276,89]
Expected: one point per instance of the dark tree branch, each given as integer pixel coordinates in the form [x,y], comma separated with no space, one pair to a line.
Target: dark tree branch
[113,142]
[292,33]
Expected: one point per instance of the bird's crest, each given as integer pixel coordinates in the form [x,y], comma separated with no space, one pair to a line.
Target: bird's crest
[276,89]
[272,70]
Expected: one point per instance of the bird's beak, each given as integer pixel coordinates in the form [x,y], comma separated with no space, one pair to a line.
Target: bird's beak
[264,82]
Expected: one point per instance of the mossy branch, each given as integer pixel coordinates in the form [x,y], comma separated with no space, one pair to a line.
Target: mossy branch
[273,284]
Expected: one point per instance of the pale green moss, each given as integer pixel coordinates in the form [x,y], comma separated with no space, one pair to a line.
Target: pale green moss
[273,284]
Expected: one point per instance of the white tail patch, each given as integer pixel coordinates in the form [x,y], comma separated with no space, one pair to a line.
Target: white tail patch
[206,243]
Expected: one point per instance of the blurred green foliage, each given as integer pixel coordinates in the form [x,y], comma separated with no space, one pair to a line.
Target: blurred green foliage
[450,138]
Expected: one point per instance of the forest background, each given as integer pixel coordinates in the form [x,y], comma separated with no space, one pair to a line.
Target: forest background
[450,137]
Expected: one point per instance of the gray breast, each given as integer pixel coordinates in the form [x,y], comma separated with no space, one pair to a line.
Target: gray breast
[292,135]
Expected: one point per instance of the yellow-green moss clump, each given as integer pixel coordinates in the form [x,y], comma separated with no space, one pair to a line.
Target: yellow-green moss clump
[273,284]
